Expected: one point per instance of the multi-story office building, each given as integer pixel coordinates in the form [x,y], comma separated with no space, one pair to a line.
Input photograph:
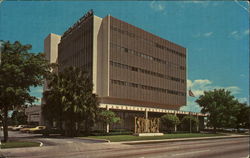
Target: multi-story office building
[133,71]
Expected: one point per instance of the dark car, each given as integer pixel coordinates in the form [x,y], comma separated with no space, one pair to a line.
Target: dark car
[47,132]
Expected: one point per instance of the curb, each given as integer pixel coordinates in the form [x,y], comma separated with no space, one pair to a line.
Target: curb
[178,140]
[41,144]
[101,140]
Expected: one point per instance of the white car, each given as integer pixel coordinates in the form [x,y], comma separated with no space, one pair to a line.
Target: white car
[17,128]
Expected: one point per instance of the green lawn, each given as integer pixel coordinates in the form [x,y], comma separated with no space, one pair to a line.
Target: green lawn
[118,138]
[19,144]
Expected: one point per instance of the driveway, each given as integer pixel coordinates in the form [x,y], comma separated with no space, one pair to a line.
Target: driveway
[48,141]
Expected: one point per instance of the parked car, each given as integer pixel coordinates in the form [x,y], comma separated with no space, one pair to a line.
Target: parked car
[36,129]
[26,129]
[18,127]
[47,132]
[229,130]
[243,130]
[10,127]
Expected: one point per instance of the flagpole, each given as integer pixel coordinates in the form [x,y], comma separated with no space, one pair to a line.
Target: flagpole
[191,94]
[188,91]
[190,124]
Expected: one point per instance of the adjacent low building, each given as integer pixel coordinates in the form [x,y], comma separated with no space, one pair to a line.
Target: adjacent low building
[34,114]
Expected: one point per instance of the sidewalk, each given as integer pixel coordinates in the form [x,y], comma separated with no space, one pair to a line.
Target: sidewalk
[180,139]
[167,140]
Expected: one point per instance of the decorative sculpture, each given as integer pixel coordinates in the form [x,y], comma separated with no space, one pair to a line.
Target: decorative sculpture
[150,125]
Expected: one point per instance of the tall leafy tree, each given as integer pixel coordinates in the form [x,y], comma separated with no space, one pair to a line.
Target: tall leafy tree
[222,108]
[170,121]
[108,117]
[19,117]
[243,117]
[19,70]
[70,99]
[190,123]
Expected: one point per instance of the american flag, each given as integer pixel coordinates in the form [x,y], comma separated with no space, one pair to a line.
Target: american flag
[191,94]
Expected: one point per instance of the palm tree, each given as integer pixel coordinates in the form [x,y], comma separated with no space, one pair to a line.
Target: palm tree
[71,92]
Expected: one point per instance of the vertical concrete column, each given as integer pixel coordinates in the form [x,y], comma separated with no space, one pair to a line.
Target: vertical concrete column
[124,115]
[107,127]
[146,113]
[175,126]
[146,117]
[108,46]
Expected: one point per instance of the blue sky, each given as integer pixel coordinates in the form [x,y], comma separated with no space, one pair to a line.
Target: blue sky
[215,33]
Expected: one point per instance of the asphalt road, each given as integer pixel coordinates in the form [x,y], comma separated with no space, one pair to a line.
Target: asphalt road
[77,148]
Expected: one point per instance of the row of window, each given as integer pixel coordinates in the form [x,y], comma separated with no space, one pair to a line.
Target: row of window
[77,42]
[131,68]
[170,50]
[134,85]
[148,41]
[123,31]
[66,57]
[139,54]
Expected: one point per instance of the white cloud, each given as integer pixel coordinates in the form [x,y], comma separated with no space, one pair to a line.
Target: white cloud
[238,34]
[38,101]
[243,100]
[234,32]
[198,92]
[233,89]
[189,84]
[191,106]
[242,6]
[157,6]
[198,2]
[242,75]
[198,87]
[208,34]
[246,32]
[202,82]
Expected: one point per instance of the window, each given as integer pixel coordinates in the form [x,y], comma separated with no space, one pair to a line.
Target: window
[134,69]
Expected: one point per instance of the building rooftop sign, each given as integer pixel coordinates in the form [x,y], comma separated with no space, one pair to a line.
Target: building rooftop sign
[83,18]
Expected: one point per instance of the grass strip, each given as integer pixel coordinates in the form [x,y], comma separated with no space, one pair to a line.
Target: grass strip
[19,144]
[118,138]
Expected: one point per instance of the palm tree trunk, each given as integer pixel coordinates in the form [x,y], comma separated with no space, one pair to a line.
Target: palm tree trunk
[87,129]
[60,124]
[78,128]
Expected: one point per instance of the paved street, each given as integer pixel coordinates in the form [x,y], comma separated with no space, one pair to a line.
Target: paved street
[77,148]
